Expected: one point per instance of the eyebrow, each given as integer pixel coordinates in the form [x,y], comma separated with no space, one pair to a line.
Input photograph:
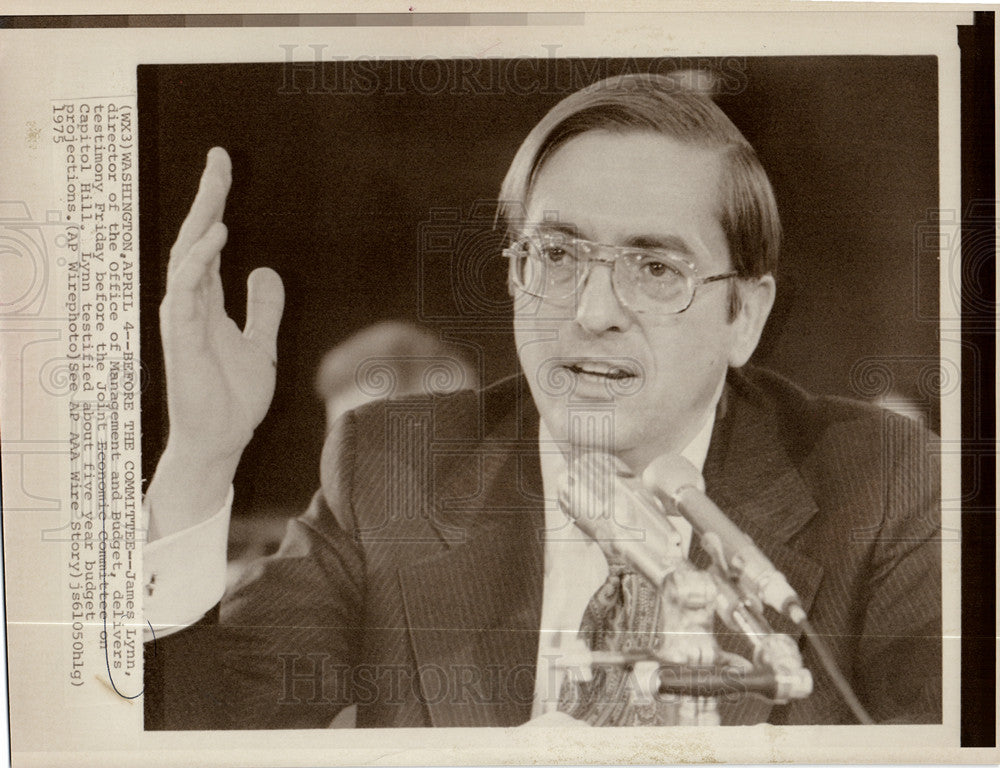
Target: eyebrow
[663,242]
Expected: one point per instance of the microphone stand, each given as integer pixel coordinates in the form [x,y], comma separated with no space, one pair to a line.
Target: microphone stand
[686,665]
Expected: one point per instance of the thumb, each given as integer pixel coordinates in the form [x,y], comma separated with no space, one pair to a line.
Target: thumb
[265,303]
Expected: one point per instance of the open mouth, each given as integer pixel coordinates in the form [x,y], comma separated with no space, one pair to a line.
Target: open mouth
[601,370]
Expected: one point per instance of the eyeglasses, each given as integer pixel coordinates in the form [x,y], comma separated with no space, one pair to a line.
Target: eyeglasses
[554,266]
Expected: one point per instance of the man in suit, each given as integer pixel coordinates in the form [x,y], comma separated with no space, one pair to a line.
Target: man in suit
[434,580]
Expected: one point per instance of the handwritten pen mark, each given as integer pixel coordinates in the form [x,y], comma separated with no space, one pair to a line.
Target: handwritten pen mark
[104,568]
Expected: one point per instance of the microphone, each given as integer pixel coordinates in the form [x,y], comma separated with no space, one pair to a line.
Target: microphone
[608,502]
[674,480]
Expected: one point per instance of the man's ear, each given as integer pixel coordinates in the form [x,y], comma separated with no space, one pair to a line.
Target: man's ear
[756,300]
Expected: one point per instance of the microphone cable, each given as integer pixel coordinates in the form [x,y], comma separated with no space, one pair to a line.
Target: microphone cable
[830,666]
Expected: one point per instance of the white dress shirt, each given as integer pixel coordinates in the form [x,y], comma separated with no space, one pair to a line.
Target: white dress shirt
[184,574]
[575,567]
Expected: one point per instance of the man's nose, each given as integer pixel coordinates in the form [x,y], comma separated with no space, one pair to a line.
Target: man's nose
[598,309]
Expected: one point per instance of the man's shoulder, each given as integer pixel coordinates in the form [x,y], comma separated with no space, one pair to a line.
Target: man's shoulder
[405,448]
[502,412]
[500,407]
[825,436]
[811,415]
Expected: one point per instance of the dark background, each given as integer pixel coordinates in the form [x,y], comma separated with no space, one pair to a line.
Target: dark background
[359,184]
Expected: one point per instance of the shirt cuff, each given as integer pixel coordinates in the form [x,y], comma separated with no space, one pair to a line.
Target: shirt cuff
[184,574]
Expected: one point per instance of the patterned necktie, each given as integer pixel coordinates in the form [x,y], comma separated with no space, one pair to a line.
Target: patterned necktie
[622,616]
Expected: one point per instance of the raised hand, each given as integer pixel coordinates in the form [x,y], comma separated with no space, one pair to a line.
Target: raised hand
[220,380]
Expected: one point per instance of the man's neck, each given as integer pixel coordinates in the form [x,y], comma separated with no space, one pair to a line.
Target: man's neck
[694,449]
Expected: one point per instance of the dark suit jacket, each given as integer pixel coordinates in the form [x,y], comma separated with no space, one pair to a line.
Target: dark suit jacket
[412,585]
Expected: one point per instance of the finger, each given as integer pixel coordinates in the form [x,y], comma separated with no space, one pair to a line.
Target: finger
[201,261]
[265,303]
[208,205]
[734,660]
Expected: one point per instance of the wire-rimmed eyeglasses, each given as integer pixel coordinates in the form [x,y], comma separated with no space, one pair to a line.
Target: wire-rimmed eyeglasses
[554,266]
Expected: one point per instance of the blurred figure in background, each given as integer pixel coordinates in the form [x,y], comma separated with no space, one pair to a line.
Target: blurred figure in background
[390,359]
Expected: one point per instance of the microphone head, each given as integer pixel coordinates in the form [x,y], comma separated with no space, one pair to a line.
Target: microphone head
[666,475]
[586,491]
[606,501]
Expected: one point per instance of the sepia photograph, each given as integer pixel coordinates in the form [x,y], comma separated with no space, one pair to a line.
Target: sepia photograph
[450,386]
[516,294]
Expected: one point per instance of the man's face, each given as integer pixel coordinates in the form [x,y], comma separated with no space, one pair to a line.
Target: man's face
[651,379]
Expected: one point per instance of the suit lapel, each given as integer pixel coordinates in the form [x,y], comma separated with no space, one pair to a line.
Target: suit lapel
[751,477]
[473,610]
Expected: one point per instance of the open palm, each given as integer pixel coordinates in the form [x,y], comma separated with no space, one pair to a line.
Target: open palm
[220,380]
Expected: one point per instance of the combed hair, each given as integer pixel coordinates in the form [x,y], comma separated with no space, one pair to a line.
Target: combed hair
[660,104]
